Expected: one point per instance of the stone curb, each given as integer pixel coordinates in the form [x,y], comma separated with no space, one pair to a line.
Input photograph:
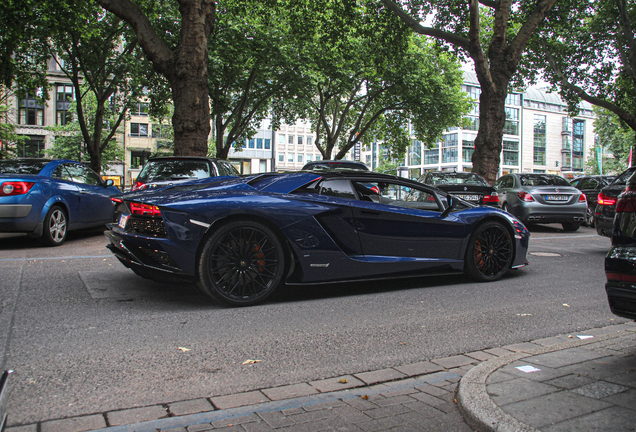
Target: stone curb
[476,406]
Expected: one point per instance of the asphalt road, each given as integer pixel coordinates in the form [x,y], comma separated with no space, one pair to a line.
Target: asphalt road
[86,335]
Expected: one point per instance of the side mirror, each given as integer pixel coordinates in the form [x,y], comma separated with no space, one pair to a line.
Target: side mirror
[452,202]
[109,183]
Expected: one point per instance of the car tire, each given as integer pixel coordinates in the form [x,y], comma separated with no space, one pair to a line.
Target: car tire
[242,264]
[55,226]
[589,217]
[570,226]
[489,253]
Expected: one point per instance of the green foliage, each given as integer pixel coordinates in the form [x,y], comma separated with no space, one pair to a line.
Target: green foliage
[365,76]
[69,144]
[8,138]
[615,138]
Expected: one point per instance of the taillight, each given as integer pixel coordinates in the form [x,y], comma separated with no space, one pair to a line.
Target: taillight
[139,185]
[492,198]
[620,277]
[116,200]
[144,209]
[582,198]
[605,200]
[15,188]
[626,203]
[525,196]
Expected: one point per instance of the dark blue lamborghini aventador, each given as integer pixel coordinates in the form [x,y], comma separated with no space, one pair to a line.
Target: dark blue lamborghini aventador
[240,238]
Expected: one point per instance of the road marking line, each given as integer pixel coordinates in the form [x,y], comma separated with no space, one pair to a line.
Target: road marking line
[563,237]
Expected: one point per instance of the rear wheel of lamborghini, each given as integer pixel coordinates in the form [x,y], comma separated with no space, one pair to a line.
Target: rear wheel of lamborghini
[489,252]
[242,264]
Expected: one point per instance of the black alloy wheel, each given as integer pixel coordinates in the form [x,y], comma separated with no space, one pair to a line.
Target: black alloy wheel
[242,264]
[489,252]
[589,217]
[55,226]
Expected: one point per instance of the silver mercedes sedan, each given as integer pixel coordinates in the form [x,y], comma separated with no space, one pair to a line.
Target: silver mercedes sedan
[542,198]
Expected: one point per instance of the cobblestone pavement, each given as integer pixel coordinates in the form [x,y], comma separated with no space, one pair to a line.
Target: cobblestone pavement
[580,383]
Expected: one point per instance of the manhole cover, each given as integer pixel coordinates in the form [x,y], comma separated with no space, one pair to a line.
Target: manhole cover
[545,254]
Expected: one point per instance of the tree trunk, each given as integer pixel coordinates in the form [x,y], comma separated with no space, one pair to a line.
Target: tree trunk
[185,67]
[488,143]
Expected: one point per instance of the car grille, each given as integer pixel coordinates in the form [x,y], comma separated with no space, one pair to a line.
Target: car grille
[154,227]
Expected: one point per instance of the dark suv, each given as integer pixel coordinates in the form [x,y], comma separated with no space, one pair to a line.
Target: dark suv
[591,185]
[330,165]
[606,205]
[167,170]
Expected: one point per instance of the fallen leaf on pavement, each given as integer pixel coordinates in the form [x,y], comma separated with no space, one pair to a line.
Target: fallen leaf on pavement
[183,349]
[365,397]
[251,361]
[566,305]
[342,381]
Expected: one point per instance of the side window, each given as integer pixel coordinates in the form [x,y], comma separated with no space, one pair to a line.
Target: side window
[338,188]
[575,183]
[61,173]
[77,173]
[396,194]
[92,178]
[226,169]
[508,182]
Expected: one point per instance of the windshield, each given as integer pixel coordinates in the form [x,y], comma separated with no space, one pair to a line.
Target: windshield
[458,178]
[330,166]
[622,179]
[167,170]
[542,180]
[22,166]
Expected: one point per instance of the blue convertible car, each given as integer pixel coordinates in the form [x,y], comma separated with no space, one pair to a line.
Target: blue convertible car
[47,198]
[241,238]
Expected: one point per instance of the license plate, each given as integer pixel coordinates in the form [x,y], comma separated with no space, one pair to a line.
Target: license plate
[557,197]
[122,220]
[469,197]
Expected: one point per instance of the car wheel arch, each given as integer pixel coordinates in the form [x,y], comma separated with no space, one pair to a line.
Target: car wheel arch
[503,221]
[246,218]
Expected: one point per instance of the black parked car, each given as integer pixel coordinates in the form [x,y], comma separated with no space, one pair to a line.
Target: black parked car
[330,165]
[591,185]
[167,170]
[620,262]
[604,214]
[465,185]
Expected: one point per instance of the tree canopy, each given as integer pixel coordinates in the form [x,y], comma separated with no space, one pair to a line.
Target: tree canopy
[494,35]
[588,52]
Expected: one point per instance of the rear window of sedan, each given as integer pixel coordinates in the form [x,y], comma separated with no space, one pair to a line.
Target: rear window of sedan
[454,178]
[21,167]
[174,170]
[542,180]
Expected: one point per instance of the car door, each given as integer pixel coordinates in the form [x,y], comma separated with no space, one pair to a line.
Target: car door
[68,190]
[95,205]
[405,221]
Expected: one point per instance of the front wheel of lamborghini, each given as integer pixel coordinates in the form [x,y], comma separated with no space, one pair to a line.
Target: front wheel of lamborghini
[242,264]
[489,253]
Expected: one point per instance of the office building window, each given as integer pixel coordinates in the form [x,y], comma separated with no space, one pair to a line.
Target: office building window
[511,127]
[63,99]
[140,109]
[511,152]
[162,131]
[309,140]
[259,143]
[138,158]
[31,147]
[31,111]
[449,148]
[268,143]
[513,99]
[300,158]
[281,157]
[539,139]
[290,139]
[281,139]
[415,155]
[300,140]
[578,138]
[290,157]
[139,129]
[468,148]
